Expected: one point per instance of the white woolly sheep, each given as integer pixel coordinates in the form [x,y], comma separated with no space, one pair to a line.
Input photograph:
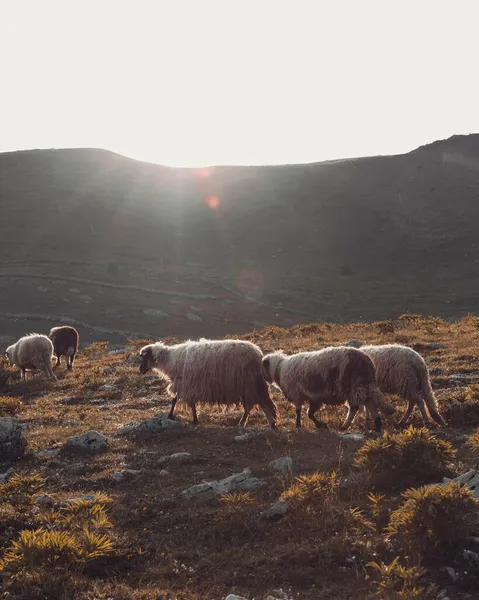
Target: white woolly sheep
[33,351]
[401,370]
[220,372]
[329,376]
[65,343]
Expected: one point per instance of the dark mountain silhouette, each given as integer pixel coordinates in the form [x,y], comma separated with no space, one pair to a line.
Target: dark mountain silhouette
[123,246]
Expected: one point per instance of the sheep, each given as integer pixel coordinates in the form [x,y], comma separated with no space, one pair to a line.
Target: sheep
[32,351]
[328,376]
[65,343]
[221,372]
[401,370]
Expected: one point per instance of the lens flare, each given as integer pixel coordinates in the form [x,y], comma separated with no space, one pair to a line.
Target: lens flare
[213,201]
[203,173]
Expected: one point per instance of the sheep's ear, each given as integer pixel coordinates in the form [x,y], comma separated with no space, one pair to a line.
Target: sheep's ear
[5,354]
[147,351]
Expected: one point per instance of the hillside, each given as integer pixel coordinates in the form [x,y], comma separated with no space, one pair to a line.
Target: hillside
[149,540]
[122,247]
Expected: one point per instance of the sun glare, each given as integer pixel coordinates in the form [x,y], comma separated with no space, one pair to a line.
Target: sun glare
[213,201]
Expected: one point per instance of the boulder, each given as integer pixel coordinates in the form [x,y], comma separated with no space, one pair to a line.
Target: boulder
[90,441]
[239,482]
[12,440]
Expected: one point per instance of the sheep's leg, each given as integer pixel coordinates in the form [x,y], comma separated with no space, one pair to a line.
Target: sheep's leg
[407,414]
[172,409]
[298,416]
[195,416]
[313,407]
[245,416]
[352,412]
[425,418]
[57,364]
[24,375]
[373,411]
[70,362]
[48,372]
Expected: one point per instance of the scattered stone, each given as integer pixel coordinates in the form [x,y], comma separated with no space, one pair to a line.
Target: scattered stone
[85,498]
[163,473]
[243,481]
[117,351]
[49,453]
[278,595]
[277,511]
[246,436]
[12,440]
[90,441]
[4,477]
[108,387]
[354,343]
[357,437]
[235,597]
[178,457]
[472,557]
[157,422]
[283,465]
[470,479]
[460,379]
[320,338]
[435,371]
[71,423]
[129,428]
[109,370]
[452,574]
[120,476]
[72,400]
[44,501]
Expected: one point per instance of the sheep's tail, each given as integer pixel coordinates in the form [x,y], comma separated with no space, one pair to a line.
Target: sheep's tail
[430,400]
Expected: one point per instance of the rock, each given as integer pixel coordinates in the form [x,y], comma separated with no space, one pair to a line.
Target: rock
[235,597]
[109,370]
[49,453]
[466,413]
[283,465]
[246,436]
[278,595]
[85,498]
[12,440]
[277,511]
[354,343]
[119,476]
[452,574]
[71,423]
[44,501]
[459,379]
[72,400]
[90,441]
[243,481]
[472,557]
[163,473]
[129,428]
[357,437]
[4,477]
[108,387]
[435,371]
[157,422]
[178,457]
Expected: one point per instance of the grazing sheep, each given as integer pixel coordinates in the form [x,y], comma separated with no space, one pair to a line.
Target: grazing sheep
[221,372]
[328,376]
[65,343]
[401,370]
[33,351]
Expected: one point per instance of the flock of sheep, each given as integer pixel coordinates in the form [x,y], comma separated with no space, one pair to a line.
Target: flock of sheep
[227,372]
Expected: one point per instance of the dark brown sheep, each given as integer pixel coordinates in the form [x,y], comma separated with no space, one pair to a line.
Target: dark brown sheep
[65,343]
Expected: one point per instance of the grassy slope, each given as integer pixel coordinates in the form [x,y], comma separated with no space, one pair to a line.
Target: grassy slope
[168,549]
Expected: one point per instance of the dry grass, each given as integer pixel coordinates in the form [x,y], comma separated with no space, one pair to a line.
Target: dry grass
[164,547]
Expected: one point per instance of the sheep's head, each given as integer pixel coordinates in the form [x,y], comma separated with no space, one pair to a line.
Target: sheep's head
[8,354]
[146,354]
[270,364]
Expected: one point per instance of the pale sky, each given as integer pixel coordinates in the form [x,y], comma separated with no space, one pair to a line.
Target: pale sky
[201,82]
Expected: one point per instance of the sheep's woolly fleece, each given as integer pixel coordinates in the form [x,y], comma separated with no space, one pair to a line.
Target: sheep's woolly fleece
[212,371]
[33,351]
[401,370]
